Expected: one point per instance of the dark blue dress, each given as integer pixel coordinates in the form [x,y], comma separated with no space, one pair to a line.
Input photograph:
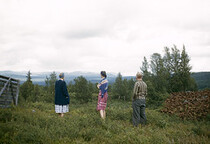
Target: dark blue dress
[61,93]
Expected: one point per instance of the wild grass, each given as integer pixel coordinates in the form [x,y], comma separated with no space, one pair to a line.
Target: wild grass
[38,123]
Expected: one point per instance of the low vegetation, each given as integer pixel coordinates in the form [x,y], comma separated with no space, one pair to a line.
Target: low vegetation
[38,123]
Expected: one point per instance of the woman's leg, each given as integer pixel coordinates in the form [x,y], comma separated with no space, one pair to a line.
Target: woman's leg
[61,114]
[102,114]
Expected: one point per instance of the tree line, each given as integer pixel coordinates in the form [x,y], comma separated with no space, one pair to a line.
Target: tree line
[167,74]
[163,75]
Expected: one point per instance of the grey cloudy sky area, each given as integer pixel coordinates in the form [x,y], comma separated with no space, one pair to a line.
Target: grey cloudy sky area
[95,35]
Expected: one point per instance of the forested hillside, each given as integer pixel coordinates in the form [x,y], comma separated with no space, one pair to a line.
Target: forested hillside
[202,79]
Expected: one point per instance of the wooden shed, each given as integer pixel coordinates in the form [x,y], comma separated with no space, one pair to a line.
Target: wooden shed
[9,91]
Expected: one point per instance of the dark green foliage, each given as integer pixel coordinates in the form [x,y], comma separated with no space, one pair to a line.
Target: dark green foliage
[122,89]
[71,87]
[155,98]
[167,74]
[29,77]
[159,73]
[180,79]
[26,89]
[145,70]
[83,90]
[202,79]
[118,87]
[50,87]
[185,70]
[36,93]
[193,86]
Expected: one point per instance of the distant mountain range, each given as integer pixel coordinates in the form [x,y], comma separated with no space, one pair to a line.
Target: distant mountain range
[202,78]
[39,77]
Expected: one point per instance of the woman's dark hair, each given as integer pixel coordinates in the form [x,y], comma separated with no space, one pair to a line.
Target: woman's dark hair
[103,73]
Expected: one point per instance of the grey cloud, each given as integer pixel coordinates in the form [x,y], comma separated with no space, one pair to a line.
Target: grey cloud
[199,26]
[82,34]
[203,55]
[193,25]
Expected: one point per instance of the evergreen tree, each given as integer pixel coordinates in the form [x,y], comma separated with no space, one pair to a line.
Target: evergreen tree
[47,82]
[122,88]
[28,77]
[71,87]
[175,60]
[82,89]
[50,87]
[125,90]
[159,72]
[167,62]
[145,69]
[26,89]
[118,87]
[91,87]
[175,80]
[185,70]
[130,87]
[170,73]
[36,95]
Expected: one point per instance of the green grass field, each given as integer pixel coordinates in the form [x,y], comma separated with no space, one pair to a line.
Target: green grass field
[38,123]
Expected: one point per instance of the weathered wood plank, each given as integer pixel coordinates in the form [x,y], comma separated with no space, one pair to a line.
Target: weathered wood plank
[5,102]
[5,106]
[6,84]
[6,98]
[2,82]
[5,77]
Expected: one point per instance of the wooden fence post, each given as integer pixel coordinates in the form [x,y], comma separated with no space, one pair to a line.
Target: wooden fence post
[17,93]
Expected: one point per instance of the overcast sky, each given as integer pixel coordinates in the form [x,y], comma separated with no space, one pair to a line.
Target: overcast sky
[95,35]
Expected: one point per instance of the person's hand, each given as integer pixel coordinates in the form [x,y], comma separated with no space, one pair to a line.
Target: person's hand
[98,85]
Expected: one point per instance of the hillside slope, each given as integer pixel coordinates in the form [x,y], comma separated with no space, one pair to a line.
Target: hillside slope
[202,79]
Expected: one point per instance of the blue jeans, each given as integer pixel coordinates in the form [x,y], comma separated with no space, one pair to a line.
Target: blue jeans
[139,116]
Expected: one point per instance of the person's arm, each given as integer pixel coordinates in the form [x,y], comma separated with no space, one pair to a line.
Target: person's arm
[146,91]
[98,86]
[56,85]
[65,91]
[103,89]
[134,90]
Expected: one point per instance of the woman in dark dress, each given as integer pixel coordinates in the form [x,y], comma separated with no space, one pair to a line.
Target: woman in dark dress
[103,95]
[61,96]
